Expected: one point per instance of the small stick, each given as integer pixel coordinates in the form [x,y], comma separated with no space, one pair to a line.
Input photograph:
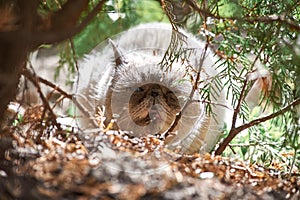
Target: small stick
[254,122]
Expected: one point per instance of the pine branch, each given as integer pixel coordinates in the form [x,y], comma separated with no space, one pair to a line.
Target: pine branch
[194,89]
[294,25]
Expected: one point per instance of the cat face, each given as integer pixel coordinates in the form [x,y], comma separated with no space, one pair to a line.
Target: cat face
[146,98]
[153,103]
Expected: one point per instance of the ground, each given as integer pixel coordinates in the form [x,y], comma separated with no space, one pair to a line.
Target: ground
[38,160]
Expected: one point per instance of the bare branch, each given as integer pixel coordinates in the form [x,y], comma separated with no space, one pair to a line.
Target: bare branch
[39,79]
[55,87]
[268,117]
[237,130]
[31,77]
[238,107]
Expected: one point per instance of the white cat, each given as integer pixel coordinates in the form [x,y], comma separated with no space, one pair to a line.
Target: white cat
[143,96]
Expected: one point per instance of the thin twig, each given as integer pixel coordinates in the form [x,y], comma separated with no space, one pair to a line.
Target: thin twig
[39,79]
[239,104]
[266,19]
[55,87]
[238,107]
[212,103]
[237,130]
[254,144]
[195,87]
[243,93]
[75,61]
[31,77]
[268,117]
[65,94]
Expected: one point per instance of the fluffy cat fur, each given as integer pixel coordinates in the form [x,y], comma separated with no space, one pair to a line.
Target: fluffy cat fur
[145,98]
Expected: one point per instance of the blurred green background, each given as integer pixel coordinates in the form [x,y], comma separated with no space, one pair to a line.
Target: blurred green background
[244,30]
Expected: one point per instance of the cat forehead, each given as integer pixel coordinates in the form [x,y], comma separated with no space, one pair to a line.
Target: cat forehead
[147,72]
[144,67]
[133,79]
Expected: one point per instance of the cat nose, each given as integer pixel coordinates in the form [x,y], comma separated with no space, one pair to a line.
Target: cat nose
[154,93]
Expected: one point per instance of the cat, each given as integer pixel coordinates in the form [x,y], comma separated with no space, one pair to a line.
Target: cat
[145,90]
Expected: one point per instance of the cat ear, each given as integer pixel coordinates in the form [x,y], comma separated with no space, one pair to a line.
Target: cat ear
[119,57]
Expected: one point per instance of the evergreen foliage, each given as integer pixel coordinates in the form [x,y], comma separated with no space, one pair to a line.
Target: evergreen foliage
[245,34]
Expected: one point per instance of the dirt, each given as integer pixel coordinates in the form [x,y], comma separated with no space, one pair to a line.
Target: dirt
[40,161]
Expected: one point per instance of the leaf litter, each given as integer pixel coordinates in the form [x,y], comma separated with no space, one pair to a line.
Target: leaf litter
[40,161]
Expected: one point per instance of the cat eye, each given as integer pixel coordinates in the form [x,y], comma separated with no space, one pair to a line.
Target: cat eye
[171,97]
[134,89]
[139,89]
